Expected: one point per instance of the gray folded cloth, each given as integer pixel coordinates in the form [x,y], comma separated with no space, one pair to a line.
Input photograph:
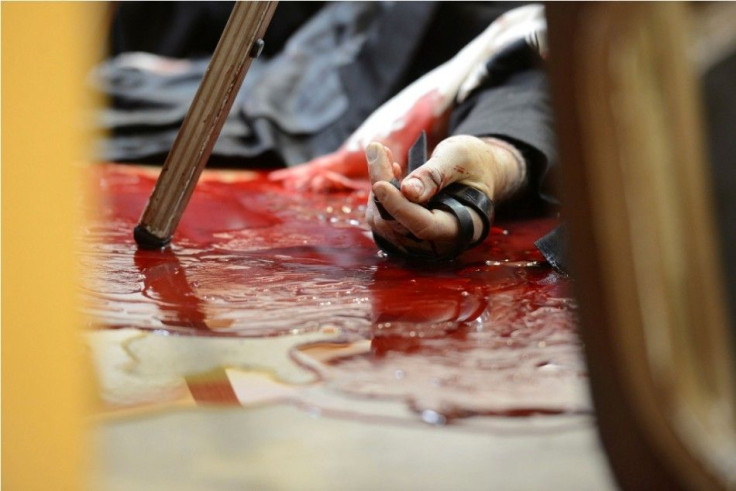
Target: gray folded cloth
[298,104]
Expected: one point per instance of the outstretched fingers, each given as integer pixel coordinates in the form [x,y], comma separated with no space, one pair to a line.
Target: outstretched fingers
[336,171]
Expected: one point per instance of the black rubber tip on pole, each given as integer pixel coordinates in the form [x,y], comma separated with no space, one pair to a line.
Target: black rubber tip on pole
[146,240]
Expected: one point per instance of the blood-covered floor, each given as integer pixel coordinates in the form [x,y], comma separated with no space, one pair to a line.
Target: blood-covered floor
[273,347]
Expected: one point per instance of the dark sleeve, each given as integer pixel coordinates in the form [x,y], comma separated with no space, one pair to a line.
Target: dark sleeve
[513,104]
[517,111]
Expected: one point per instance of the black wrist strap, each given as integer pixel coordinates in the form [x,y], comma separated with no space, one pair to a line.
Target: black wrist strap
[465,226]
[478,201]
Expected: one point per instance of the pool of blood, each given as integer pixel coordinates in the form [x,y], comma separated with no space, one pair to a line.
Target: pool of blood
[490,333]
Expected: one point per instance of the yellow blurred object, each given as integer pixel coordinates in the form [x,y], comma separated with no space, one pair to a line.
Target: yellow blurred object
[47,49]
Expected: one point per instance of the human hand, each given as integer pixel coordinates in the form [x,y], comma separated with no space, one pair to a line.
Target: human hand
[490,166]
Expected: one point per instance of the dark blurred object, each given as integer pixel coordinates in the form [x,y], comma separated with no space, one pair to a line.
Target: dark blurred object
[174,29]
[192,29]
[719,96]
[643,243]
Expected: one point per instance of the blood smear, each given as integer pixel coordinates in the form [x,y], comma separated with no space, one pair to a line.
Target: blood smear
[492,333]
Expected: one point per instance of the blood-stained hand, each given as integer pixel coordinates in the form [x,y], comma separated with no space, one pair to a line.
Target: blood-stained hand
[491,166]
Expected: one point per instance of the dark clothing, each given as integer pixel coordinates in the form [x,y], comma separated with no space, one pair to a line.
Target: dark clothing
[172,29]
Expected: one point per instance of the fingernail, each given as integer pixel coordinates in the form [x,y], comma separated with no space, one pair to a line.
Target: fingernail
[371,152]
[415,186]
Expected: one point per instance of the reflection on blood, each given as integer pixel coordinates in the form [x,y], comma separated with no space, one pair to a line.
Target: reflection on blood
[492,333]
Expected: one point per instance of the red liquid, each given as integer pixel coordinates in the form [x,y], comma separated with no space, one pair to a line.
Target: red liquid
[491,333]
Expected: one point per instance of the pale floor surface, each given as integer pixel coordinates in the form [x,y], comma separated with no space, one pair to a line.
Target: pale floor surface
[285,448]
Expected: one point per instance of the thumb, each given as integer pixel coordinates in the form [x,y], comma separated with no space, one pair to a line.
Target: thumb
[437,173]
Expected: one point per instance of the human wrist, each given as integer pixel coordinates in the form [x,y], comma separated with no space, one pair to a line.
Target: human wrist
[510,167]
